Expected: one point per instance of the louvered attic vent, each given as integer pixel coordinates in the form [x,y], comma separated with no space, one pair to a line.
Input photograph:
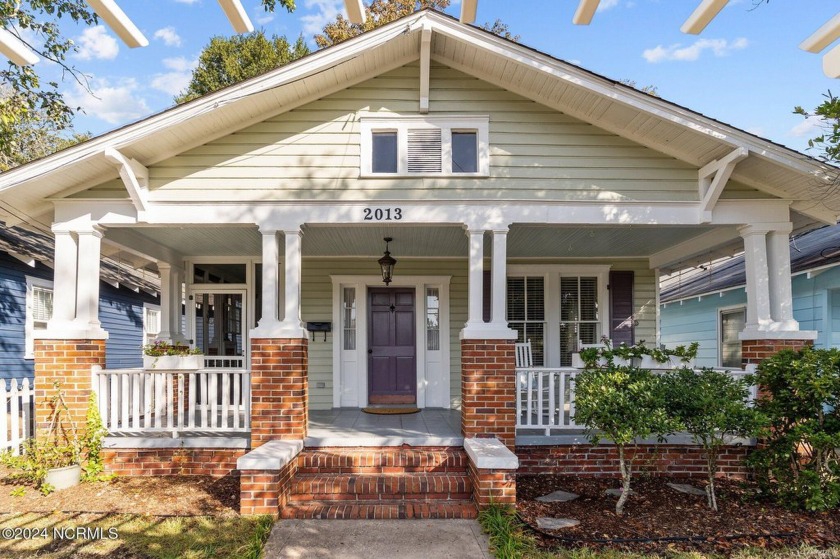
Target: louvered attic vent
[424,150]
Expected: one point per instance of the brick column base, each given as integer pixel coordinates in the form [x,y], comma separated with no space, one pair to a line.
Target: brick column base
[265,491]
[279,389]
[756,351]
[492,486]
[488,390]
[68,363]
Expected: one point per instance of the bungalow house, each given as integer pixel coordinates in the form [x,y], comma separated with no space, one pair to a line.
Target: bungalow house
[128,304]
[521,198]
[708,303]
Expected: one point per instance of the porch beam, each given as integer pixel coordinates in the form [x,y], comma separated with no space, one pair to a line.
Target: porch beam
[237,16]
[138,245]
[119,23]
[355,11]
[15,50]
[135,177]
[824,36]
[585,11]
[469,8]
[713,178]
[425,63]
[700,245]
[702,16]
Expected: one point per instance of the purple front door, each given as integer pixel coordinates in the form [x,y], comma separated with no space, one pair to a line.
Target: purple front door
[392,361]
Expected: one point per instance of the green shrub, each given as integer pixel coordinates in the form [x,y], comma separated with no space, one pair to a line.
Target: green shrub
[799,461]
[622,404]
[712,407]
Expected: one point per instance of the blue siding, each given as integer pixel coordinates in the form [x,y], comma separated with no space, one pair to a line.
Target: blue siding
[120,310]
[816,305]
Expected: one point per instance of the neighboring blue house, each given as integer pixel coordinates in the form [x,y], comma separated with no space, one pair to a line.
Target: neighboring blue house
[127,308]
[708,304]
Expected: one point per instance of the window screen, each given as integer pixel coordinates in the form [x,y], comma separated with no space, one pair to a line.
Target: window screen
[579,319]
[731,324]
[464,152]
[384,152]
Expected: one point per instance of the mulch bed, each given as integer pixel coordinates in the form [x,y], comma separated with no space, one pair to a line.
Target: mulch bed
[656,511]
[153,496]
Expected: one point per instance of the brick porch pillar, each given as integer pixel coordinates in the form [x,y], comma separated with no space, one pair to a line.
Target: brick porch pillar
[68,363]
[756,351]
[488,390]
[279,389]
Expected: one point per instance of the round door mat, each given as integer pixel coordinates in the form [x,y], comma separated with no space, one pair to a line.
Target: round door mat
[390,411]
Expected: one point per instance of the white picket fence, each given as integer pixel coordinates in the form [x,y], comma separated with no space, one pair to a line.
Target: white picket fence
[545,398]
[17,423]
[208,400]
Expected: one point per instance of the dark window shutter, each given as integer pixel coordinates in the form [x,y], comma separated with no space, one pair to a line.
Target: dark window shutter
[487,299]
[621,308]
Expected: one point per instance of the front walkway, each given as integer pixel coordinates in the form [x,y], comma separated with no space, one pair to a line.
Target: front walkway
[353,427]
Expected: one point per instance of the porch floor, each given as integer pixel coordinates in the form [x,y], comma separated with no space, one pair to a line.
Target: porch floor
[353,427]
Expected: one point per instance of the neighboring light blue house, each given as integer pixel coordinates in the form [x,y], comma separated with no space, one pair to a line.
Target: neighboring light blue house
[127,308]
[708,303]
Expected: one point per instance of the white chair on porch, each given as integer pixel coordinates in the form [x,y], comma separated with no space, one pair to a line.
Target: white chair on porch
[524,359]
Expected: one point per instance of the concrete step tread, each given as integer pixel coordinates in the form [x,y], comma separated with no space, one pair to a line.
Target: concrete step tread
[377,510]
[382,460]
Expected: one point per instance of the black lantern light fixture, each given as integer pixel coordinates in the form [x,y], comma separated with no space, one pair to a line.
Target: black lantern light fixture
[387,263]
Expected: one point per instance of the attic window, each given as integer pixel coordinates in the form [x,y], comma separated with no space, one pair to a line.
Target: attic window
[424,146]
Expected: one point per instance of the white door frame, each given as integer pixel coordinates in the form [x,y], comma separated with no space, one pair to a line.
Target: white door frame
[221,288]
[432,385]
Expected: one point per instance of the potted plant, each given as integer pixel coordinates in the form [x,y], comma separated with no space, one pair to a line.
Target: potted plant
[167,356]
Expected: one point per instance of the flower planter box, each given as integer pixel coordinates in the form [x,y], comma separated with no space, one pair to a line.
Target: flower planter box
[173,362]
[673,362]
[62,478]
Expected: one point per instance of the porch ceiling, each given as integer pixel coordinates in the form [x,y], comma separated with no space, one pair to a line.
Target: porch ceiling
[430,240]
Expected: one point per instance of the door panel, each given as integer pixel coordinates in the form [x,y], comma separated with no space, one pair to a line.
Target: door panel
[392,353]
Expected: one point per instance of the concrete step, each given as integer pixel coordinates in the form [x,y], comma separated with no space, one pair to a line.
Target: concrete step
[377,510]
[382,487]
[382,460]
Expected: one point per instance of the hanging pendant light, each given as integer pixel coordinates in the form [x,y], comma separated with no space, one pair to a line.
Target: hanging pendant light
[386,263]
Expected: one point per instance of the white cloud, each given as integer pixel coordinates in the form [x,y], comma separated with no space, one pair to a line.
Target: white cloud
[327,10]
[114,103]
[176,81]
[96,43]
[264,19]
[606,5]
[169,37]
[808,127]
[677,52]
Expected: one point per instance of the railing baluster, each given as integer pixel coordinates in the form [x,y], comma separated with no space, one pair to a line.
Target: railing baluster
[213,394]
[114,397]
[15,412]
[159,388]
[205,401]
[191,403]
[246,398]
[181,403]
[561,396]
[148,384]
[126,402]
[7,439]
[135,400]
[551,407]
[225,398]
[170,402]
[237,397]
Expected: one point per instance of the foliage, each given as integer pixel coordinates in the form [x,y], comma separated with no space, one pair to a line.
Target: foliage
[592,356]
[651,90]
[712,406]
[229,60]
[36,24]
[507,538]
[622,404]
[501,29]
[799,463]
[829,141]
[61,446]
[160,348]
[19,491]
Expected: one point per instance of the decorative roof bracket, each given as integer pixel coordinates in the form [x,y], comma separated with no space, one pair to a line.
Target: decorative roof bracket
[713,178]
[135,177]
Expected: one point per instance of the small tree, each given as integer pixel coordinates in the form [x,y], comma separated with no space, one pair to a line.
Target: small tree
[799,463]
[622,404]
[712,407]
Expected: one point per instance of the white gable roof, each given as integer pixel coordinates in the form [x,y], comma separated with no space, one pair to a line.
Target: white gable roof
[653,122]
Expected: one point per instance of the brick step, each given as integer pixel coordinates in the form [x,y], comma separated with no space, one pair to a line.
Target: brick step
[385,460]
[424,510]
[382,487]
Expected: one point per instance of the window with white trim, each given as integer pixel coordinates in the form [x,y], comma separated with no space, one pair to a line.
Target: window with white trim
[732,322]
[151,323]
[348,317]
[432,318]
[580,321]
[39,309]
[425,146]
[526,313]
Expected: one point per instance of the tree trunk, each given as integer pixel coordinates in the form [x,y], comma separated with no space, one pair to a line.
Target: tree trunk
[625,481]
[711,464]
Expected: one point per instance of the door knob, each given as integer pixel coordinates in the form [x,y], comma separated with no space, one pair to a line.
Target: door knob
[370,351]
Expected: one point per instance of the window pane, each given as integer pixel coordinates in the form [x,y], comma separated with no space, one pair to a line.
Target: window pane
[219,273]
[516,299]
[569,299]
[432,319]
[384,152]
[349,317]
[589,299]
[535,332]
[464,152]
[42,304]
[535,300]
[731,323]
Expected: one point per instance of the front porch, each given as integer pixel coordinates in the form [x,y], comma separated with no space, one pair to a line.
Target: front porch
[351,427]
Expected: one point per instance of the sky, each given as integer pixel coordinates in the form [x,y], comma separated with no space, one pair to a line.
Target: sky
[745,69]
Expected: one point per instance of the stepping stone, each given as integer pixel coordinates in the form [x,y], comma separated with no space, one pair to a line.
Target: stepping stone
[546,523]
[615,492]
[686,488]
[558,497]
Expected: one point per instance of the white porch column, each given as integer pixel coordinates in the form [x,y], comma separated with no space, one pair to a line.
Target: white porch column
[270,288]
[781,292]
[498,277]
[476,328]
[166,311]
[475,314]
[758,282]
[176,327]
[87,286]
[293,264]
[64,281]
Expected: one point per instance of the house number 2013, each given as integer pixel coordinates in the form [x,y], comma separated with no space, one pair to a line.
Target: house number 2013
[383,214]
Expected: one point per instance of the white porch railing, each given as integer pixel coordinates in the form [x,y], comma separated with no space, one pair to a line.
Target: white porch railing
[17,422]
[216,362]
[545,398]
[207,400]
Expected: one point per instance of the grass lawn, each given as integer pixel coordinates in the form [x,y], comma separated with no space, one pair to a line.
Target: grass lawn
[123,536]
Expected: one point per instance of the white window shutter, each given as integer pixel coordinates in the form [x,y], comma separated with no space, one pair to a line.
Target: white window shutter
[42,304]
[424,150]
